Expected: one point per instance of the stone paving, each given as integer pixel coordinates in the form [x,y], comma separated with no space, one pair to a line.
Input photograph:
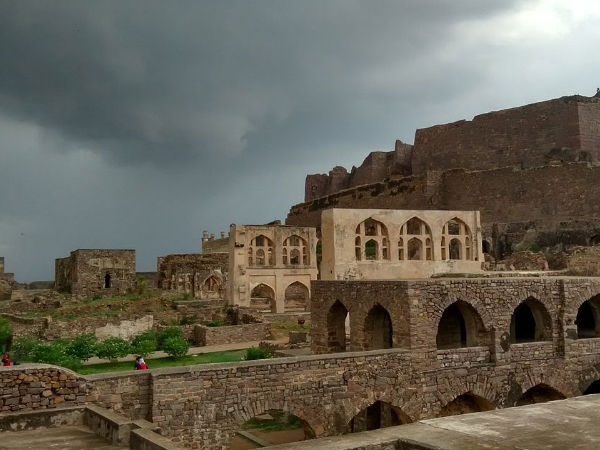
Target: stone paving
[64,438]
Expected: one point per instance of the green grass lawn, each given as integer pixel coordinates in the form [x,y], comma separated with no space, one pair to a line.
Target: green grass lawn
[188,360]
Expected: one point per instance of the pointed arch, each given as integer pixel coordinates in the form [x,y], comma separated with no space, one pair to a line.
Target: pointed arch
[588,319]
[297,249]
[373,235]
[379,414]
[530,322]
[415,234]
[456,240]
[540,393]
[466,403]
[296,297]
[262,297]
[378,331]
[260,251]
[461,326]
[337,316]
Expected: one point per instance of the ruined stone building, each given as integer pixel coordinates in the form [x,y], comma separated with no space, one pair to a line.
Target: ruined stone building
[201,276]
[271,266]
[390,244]
[531,171]
[88,272]
[7,281]
[212,245]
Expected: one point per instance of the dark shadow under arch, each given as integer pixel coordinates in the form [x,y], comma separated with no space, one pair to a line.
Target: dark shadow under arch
[540,393]
[593,388]
[336,328]
[378,331]
[461,326]
[466,403]
[530,322]
[377,415]
[273,421]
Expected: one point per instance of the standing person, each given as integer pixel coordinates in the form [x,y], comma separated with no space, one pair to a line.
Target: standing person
[136,365]
[6,359]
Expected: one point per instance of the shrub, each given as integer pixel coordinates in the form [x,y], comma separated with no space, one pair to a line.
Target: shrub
[257,353]
[53,353]
[83,347]
[167,333]
[215,323]
[5,332]
[22,347]
[176,346]
[113,348]
[143,347]
[148,335]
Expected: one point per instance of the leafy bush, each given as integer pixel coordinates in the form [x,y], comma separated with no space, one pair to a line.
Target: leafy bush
[215,323]
[53,353]
[5,332]
[257,353]
[113,348]
[143,347]
[167,333]
[22,347]
[148,335]
[176,346]
[83,347]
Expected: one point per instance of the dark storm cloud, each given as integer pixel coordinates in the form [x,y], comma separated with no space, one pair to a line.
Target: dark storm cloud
[166,82]
[137,124]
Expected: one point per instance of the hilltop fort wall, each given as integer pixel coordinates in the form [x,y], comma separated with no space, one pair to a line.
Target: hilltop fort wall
[528,168]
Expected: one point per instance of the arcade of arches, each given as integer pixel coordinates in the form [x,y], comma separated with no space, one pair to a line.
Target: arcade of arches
[398,244]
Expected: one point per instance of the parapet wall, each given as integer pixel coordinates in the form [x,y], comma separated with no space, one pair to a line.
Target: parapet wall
[526,136]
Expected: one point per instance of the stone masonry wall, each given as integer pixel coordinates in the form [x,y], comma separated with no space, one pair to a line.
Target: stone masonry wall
[204,335]
[203,406]
[40,387]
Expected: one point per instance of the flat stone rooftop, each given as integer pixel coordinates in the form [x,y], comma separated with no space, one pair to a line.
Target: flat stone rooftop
[561,424]
[70,437]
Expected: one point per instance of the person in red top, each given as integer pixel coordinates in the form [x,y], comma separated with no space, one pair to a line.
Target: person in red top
[6,359]
[143,365]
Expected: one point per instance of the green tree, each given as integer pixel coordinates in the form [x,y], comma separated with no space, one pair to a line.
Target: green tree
[22,347]
[83,347]
[6,332]
[53,353]
[176,346]
[113,349]
[167,333]
[143,347]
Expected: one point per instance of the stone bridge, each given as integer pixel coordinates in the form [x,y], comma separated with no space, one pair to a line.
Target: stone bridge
[203,406]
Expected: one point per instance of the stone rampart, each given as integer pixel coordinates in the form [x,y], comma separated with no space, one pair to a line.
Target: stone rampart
[204,335]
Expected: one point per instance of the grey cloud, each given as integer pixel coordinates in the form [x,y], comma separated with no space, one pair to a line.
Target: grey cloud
[167,83]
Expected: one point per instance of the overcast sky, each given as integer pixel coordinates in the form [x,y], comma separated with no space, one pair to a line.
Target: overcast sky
[137,124]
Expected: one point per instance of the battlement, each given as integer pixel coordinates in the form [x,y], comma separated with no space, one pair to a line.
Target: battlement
[562,130]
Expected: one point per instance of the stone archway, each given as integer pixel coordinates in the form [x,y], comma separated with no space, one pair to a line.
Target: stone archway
[588,319]
[540,393]
[273,426]
[262,298]
[297,297]
[378,414]
[466,403]
[378,331]
[337,317]
[530,322]
[461,326]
